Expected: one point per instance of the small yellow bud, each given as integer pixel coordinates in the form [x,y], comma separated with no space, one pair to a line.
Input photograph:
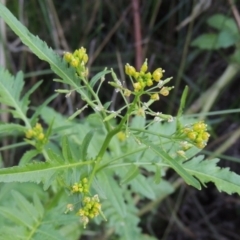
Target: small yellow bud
[85,180]
[136,75]
[75,188]
[155,96]
[144,67]
[192,135]
[127,93]
[149,82]
[29,133]
[137,86]
[129,70]
[205,136]
[121,136]
[74,62]
[38,126]
[68,57]
[158,74]
[140,112]
[200,145]
[164,91]
[40,136]
[85,58]
[148,75]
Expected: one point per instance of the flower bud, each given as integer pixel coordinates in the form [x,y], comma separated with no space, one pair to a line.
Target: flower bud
[158,74]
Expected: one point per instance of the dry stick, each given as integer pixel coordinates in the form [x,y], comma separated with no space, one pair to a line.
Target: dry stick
[91,21]
[235,12]
[59,29]
[137,33]
[150,27]
[183,61]
[206,100]
[107,38]
[59,39]
[227,144]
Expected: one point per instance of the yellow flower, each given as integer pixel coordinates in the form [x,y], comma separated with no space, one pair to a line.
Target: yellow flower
[164,91]
[68,57]
[121,136]
[144,67]
[158,74]
[137,86]
[155,96]
[29,133]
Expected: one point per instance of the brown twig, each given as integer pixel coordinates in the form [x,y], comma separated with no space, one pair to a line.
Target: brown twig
[235,12]
[137,33]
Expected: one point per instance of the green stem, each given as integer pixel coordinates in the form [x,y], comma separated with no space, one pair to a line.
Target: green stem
[107,125]
[109,137]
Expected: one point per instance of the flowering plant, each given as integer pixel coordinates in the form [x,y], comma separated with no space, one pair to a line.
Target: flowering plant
[91,169]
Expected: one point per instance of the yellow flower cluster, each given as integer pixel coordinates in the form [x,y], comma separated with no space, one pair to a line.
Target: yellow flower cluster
[198,134]
[81,187]
[91,208]
[143,78]
[78,60]
[36,133]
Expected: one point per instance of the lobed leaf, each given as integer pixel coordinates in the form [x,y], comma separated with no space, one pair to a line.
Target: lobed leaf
[208,171]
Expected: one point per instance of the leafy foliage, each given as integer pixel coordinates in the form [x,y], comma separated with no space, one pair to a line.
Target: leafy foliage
[86,166]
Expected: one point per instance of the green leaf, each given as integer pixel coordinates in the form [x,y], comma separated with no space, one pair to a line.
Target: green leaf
[28,156]
[39,109]
[157,177]
[207,171]
[98,76]
[113,192]
[131,174]
[66,149]
[44,172]
[140,185]
[207,41]
[84,146]
[10,90]
[45,53]
[227,39]
[10,127]
[222,22]
[173,164]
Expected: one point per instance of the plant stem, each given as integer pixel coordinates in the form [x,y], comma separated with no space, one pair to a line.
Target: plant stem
[110,136]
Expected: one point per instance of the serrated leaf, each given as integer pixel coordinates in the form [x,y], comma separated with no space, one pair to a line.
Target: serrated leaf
[29,210]
[113,192]
[208,171]
[9,127]
[189,179]
[35,172]
[84,146]
[39,109]
[45,53]
[131,174]
[10,90]
[53,157]
[140,185]
[28,156]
